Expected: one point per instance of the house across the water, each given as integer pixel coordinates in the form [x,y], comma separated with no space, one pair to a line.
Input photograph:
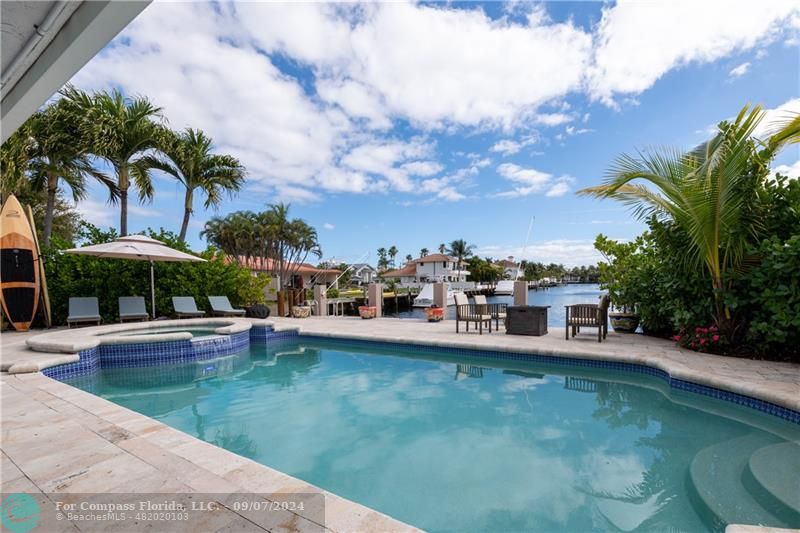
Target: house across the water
[436,267]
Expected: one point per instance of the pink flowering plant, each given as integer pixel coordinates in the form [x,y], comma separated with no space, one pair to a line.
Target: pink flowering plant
[701,339]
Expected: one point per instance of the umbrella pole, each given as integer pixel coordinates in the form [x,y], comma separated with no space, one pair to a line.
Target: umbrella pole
[152,290]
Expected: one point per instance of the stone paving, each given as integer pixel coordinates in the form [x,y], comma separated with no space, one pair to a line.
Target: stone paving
[58,439]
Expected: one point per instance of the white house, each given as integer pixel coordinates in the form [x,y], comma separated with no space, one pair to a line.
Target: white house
[511,269]
[436,267]
[362,274]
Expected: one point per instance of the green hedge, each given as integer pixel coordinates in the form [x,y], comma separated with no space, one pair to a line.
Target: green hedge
[70,275]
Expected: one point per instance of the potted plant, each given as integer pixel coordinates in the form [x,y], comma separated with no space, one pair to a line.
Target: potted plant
[434,313]
[301,311]
[367,311]
[617,276]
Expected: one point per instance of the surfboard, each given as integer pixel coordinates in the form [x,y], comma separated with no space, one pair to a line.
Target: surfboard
[44,295]
[19,266]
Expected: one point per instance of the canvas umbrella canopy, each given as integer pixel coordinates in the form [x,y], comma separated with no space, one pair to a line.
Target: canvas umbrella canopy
[137,247]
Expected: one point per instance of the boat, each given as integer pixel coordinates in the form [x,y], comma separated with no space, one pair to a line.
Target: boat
[19,266]
[425,296]
[504,288]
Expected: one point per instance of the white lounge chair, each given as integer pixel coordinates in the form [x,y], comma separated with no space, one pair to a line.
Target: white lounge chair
[185,306]
[221,306]
[83,310]
[132,308]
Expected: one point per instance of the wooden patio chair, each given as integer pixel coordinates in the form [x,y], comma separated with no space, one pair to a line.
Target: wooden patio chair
[466,312]
[498,311]
[590,316]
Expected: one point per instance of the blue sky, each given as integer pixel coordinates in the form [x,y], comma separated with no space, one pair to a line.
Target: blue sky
[415,124]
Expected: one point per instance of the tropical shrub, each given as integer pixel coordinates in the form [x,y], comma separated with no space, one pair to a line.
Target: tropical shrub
[76,275]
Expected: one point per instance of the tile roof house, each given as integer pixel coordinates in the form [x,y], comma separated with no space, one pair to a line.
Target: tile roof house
[434,267]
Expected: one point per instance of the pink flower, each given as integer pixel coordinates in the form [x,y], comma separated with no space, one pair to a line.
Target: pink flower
[715,338]
[677,338]
[702,342]
[697,329]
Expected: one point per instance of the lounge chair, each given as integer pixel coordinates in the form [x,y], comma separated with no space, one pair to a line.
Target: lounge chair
[221,306]
[132,308]
[465,312]
[185,306]
[498,311]
[83,310]
[588,315]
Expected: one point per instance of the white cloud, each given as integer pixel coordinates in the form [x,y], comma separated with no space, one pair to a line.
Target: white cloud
[98,213]
[791,171]
[430,79]
[528,181]
[328,226]
[741,70]
[678,33]
[773,118]
[568,252]
[508,147]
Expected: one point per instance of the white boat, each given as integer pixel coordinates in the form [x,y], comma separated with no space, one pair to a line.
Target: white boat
[504,288]
[425,296]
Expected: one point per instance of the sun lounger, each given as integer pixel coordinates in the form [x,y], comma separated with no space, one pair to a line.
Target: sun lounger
[221,306]
[185,306]
[83,310]
[132,308]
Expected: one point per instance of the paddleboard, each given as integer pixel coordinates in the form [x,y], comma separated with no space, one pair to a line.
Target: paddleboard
[19,266]
[44,295]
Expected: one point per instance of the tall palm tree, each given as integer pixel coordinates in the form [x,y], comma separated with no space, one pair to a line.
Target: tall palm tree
[382,261]
[460,250]
[59,157]
[423,252]
[393,251]
[442,248]
[409,258]
[122,130]
[190,161]
[705,191]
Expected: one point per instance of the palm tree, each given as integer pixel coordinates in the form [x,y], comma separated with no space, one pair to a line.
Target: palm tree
[393,251]
[706,192]
[191,162]
[58,156]
[382,261]
[423,252]
[442,248]
[121,130]
[409,258]
[460,250]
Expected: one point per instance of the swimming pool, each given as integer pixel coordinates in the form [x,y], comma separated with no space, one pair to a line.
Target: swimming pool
[455,443]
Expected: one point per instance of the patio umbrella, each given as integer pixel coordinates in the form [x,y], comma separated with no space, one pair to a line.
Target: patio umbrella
[137,247]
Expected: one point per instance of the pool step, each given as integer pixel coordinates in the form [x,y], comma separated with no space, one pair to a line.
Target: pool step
[718,475]
[773,476]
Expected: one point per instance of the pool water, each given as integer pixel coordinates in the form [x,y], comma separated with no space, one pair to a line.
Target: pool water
[473,444]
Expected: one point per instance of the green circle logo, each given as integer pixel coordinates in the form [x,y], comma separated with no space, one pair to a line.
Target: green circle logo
[20,513]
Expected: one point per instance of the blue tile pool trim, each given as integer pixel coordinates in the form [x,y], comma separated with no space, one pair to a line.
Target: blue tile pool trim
[137,355]
[740,399]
